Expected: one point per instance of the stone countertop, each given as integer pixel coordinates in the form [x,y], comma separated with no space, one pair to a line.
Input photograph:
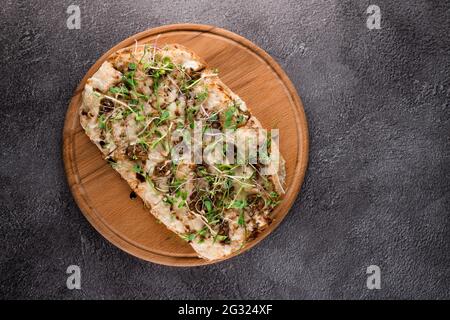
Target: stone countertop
[377,190]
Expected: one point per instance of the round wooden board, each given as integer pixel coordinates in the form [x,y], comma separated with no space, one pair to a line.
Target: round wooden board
[103,196]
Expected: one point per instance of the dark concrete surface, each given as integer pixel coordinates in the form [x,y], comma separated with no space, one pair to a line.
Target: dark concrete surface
[377,190]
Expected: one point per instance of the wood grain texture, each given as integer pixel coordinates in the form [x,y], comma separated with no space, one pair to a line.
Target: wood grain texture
[103,196]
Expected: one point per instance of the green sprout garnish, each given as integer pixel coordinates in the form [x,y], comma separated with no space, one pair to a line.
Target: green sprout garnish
[132,66]
[202,96]
[119,90]
[102,121]
[188,237]
[164,116]
[138,169]
[241,220]
[229,114]
[189,84]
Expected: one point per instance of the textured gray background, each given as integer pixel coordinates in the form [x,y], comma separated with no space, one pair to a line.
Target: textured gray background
[377,190]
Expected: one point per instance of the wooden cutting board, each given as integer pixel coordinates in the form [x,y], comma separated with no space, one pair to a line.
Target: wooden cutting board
[104,198]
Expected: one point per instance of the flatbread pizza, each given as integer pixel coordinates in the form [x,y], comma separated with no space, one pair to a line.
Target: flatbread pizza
[173,130]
